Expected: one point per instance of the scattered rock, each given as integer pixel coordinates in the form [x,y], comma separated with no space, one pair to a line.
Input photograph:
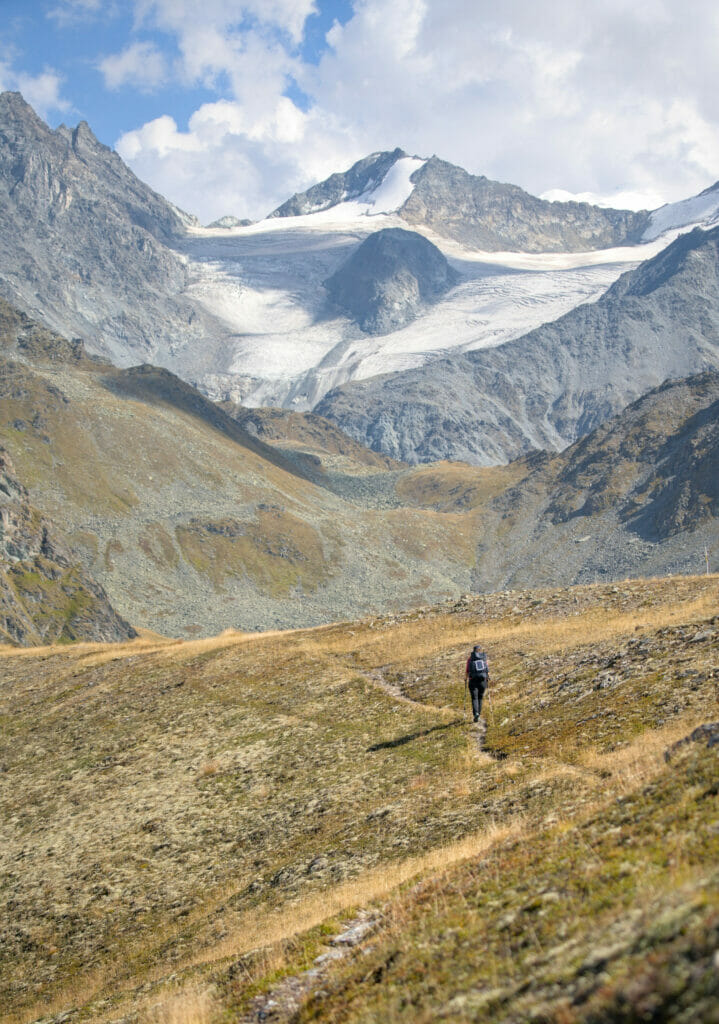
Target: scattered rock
[709,732]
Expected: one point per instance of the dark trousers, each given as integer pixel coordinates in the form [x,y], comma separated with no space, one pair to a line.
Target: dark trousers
[476,690]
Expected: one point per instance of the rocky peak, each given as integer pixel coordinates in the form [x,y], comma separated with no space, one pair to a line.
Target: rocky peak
[492,215]
[360,178]
[89,249]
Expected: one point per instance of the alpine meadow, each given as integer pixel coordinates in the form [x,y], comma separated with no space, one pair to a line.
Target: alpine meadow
[359,547]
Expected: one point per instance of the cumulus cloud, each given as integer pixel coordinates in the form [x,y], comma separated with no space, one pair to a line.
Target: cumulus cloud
[41,91]
[229,162]
[141,65]
[621,97]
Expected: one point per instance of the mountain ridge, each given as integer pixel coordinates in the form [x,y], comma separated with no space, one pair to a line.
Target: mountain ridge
[547,388]
[88,248]
[474,210]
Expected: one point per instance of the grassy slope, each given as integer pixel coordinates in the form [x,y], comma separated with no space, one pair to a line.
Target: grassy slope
[173,807]
[157,494]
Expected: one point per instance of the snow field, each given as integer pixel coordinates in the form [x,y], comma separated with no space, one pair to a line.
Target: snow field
[266,282]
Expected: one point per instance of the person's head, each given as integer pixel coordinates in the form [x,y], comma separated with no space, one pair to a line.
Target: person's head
[477,648]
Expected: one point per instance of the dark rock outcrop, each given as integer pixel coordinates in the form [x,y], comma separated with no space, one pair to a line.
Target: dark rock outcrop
[555,384]
[388,281]
[45,596]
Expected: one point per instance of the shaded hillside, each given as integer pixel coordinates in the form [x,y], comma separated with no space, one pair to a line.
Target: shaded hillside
[87,248]
[642,488]
[45,595]
[303,428]
[191,834]
[656,465]
[189,521]
[557,383]
[640,493]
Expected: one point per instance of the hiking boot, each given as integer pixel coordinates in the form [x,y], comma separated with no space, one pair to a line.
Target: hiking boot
[476,718]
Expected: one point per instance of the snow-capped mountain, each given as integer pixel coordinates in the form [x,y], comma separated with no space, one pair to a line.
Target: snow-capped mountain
[268,280]
[244,310]
[701,210]
[435,195]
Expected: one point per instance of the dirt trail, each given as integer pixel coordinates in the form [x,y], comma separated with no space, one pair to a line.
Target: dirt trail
[478,730]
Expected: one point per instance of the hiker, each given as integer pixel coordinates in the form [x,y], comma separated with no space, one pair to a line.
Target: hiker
[476,675]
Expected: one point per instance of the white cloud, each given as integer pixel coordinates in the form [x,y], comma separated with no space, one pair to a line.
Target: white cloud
[140,65]
[185,17]
[41,91]
[621,97]
[230,162]
[69,12]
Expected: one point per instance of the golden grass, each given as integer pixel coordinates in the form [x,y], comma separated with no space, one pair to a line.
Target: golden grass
[259,928]
[191,1005]
[370,644]
[641,760]
[419,638]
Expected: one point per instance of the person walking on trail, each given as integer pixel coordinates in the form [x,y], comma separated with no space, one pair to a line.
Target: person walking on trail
[476,676]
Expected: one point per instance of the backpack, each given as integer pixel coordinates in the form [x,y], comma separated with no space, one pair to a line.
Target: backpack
[478,667]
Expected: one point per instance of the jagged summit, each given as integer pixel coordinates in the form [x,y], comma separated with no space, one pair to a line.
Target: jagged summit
[340,187]
[87,247]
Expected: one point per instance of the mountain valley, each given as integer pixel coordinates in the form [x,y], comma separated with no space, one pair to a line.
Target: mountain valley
[194,516]
[262,485]
[243,311]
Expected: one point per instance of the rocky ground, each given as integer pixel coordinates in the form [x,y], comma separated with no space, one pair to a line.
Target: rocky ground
[191,823]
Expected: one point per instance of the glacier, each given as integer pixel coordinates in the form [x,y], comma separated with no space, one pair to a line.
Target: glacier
[264,281]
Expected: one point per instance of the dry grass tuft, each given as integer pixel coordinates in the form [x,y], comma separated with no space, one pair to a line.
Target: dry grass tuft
[192,1005]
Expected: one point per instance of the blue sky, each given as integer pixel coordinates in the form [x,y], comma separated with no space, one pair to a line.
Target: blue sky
[42,35]
[229,106]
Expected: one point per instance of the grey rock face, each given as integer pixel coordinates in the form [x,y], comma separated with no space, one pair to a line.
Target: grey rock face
[555,384]
[389,279]
[640,494]
[87,248]
[476,211]
[228,221]
[490,215]
[360,178]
